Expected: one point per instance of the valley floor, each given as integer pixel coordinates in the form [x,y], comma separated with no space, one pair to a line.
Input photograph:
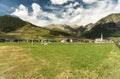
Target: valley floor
[59,61]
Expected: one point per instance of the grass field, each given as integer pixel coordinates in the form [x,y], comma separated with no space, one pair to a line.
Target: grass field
[59,61]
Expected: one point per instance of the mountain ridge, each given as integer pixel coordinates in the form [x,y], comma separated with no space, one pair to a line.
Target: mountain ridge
[13,27]
[109,26]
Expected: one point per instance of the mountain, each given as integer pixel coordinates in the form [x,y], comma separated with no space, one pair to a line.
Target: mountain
[74,30]
[9,23]
[60,27]
[15,28]
[71,29]
[109,26]
[89,27]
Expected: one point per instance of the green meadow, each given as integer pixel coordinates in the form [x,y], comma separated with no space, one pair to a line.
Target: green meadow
[59,61]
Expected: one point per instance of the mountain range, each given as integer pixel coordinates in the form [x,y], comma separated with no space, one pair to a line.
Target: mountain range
[14,28]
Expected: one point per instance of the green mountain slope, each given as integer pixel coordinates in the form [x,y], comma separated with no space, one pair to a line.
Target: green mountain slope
[9,23]
[14,28]
[109,26]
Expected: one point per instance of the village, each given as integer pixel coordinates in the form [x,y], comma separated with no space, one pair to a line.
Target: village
[63,40]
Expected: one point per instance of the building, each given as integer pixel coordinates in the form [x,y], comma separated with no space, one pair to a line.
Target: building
[102,40]
[99,40]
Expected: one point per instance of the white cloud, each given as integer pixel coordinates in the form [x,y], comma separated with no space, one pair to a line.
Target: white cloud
[76,4]
[68,14]
[117,8]
[36,9]
[58,1]
[22,12]
[89,1]
[71,5]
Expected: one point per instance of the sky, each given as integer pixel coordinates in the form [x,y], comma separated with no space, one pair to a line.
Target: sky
[70,12]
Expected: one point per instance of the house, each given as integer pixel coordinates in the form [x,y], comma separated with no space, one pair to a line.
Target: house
[63,41]
[67,40]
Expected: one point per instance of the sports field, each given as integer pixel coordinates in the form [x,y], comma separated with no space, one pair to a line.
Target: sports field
[59,61]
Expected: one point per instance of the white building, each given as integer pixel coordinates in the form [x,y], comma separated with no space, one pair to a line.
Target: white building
[101,40]
[63,41]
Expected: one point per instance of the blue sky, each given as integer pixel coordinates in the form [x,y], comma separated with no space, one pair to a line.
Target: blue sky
[8,6]
[44,12]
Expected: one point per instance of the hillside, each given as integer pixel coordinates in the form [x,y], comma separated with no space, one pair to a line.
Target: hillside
[109,26]
[15,28]
[9,23]
[59,27]
[71,29]
[74,30]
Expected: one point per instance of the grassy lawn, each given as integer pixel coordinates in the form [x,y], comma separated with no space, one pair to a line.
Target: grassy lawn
[59,61]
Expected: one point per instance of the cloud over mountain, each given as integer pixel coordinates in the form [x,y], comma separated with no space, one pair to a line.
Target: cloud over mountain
[73,12]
